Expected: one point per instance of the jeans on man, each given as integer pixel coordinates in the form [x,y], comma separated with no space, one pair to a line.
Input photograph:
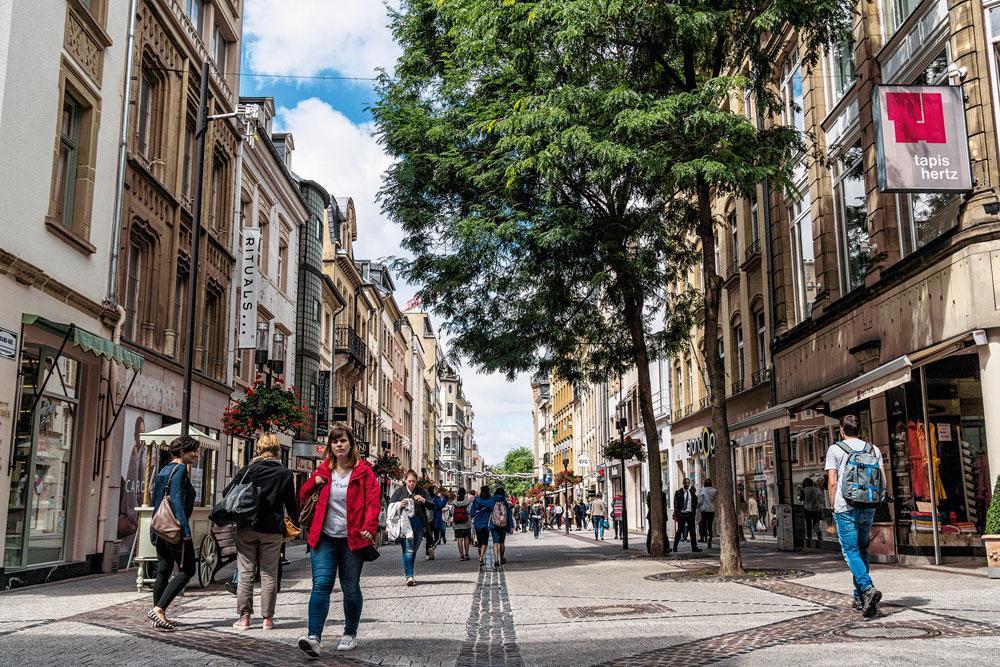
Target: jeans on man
[332,555]
[854,529]
[686,523]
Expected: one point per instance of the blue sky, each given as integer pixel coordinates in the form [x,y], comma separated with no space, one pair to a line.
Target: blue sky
[317,41]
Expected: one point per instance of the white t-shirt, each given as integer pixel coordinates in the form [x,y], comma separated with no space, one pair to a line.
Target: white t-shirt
[836,459]
[335,521]
[707,497]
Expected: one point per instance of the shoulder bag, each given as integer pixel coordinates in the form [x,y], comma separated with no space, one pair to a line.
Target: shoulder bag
[164,523]
[239,506]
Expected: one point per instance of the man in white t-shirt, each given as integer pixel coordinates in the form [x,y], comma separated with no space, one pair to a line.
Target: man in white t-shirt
[854,523]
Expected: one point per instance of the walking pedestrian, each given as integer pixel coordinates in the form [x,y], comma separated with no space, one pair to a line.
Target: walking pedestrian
[482,506]
[342,527]
[440,503]
[685,505]
[597,513]
[429,543]
[856,486]
[812,506]
[522,516]
[706,499]
[537,514]
[461,518]
[752,516]
[616,515]
[501,524]
[557,512]
[258,545]
[174,481]
[414,501]
[581,514]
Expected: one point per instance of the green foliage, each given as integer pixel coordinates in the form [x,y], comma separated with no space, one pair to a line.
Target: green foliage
[629,448]
[993,513]
[519,460]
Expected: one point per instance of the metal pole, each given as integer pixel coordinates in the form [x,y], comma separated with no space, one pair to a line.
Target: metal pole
[930,466]
[199,177]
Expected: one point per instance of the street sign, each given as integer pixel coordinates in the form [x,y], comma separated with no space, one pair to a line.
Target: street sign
[582,461]
[8,344]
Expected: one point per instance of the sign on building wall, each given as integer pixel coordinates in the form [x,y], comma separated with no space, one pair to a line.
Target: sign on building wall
[920,138]
[323,405]
[8,344]
[249,288]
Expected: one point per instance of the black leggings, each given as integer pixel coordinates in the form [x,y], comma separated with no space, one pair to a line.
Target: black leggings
[168,555]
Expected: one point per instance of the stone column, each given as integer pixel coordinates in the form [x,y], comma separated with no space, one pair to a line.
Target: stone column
[989,373]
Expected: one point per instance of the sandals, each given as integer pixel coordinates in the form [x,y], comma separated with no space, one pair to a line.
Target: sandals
[160,623]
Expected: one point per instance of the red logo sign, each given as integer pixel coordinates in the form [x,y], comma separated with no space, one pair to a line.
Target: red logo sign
[916,117]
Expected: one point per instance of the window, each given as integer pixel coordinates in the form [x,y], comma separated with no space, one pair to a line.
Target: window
[146,115]
[265,242]
[925,216]
[754,222]
[851,217]
[317,310]
[180,312]
[133,271]
[738,361]
[68,160]
[283,265]
[761,340]
[690,385]
[219,49]
[734,240]
[722,350]
[188,168]
[841,65]
[193,10]
[895,13]
[792,95]
[678,388]
[803,257]
[451,409]
[218,196]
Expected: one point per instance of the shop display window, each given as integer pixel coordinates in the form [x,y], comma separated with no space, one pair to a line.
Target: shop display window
[950,474]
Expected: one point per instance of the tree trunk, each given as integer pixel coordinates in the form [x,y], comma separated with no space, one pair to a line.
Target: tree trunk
[634,306]
[730,559]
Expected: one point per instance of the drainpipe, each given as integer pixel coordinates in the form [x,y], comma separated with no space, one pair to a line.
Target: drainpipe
[116,225]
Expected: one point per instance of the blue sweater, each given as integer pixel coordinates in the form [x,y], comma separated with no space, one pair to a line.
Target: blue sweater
[482,511]
[181,496]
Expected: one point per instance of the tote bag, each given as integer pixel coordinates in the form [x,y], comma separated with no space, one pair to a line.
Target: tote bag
[164,523]
[239,506]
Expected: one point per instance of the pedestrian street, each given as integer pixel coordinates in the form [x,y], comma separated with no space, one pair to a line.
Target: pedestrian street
[560,600]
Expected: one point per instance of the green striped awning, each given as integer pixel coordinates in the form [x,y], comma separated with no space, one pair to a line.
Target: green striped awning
[88,342]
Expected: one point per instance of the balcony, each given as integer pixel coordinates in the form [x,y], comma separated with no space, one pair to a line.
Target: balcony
[737,386]
[761,376]
[732,273]
[704,402]
[688,409]
[348,342]
[752,251]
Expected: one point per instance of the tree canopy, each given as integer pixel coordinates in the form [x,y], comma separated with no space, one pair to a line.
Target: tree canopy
[519,460]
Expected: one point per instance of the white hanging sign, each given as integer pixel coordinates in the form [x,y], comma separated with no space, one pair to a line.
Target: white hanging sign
[249,288]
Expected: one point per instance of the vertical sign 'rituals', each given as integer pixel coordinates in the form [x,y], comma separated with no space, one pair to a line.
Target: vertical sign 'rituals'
[249,285]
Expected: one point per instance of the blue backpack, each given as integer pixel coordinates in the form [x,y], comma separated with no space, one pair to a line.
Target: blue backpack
[861,484]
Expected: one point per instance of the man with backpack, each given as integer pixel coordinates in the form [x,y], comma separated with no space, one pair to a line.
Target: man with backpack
[856,485]
[501,523]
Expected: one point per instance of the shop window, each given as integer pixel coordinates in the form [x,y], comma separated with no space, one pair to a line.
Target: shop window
[803,256]
[924,216]
[942,467]
[45,432]
[851,217]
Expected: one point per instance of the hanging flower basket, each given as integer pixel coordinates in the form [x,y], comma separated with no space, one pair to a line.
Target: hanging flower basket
[566,477]
[265,409]
[425,482]
[537,492]
[387,465]
[630,448]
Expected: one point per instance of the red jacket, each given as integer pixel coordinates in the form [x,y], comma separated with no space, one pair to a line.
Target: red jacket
[363,503]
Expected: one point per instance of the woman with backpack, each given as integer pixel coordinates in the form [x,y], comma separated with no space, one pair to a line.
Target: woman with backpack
[482,506]
[344,492]
[462,520]
[173,483]
[258,544]
[501,524]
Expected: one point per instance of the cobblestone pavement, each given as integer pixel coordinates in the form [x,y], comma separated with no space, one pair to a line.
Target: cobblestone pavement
[559,601]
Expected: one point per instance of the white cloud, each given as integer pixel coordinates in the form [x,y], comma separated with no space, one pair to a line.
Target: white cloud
[346,159]
[307,37]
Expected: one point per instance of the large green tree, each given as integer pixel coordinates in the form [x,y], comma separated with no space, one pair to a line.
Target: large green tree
[555,161]
[517,461]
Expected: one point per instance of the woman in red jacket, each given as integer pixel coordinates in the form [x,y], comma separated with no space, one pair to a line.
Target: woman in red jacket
[346,519]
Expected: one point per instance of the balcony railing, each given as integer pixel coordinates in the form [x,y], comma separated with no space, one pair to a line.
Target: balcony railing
[752,250]
[737,386]
[704,402]
[349,342]
[733,269]
[761,376]
[688,409]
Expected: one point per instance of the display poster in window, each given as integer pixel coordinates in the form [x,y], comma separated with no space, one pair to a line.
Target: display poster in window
[249,287]
[133,472]
[921,140]
[944,432]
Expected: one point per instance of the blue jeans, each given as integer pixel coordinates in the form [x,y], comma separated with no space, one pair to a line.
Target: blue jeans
[411,545]
[536,526]
[598,522]
[854,529]
[330,556]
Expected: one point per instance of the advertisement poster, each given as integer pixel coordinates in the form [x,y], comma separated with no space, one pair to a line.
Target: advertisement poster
[133,472]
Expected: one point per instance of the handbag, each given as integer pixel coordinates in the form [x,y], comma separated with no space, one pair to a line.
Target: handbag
[292,532]
[606,525]
[369,552]
[239,505]
[164,523]
[308,510]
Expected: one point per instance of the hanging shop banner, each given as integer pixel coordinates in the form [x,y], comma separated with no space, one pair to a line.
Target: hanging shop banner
[323,405]
[920,138]
[249,288]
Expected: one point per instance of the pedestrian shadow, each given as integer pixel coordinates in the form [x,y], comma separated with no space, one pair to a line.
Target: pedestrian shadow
[909,602]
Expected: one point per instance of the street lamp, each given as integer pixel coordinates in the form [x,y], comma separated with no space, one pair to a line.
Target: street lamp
[273,362]
[566,487]
[622,425]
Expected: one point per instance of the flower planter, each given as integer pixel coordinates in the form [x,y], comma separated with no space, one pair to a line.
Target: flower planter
[992,544]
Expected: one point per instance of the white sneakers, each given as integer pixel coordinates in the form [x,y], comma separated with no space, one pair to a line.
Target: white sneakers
[410,581]
[311,645]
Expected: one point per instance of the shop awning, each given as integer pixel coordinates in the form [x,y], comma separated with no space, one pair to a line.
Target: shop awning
[770,419]
[162,437]
[872,383]
[88,342]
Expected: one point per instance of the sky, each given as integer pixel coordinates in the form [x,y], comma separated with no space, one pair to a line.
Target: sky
[319,58]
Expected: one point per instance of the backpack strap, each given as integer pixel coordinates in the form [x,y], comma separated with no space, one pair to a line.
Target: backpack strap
[843,445]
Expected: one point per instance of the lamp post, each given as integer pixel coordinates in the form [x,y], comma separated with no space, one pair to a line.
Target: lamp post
[269,363]
[566,490]
[622,425]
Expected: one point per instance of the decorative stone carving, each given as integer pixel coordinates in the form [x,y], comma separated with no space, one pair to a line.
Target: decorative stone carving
[83,46]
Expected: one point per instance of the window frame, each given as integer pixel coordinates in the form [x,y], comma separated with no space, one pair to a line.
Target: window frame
[68,171]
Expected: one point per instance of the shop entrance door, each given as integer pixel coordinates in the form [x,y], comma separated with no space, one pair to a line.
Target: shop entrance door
[40,469]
